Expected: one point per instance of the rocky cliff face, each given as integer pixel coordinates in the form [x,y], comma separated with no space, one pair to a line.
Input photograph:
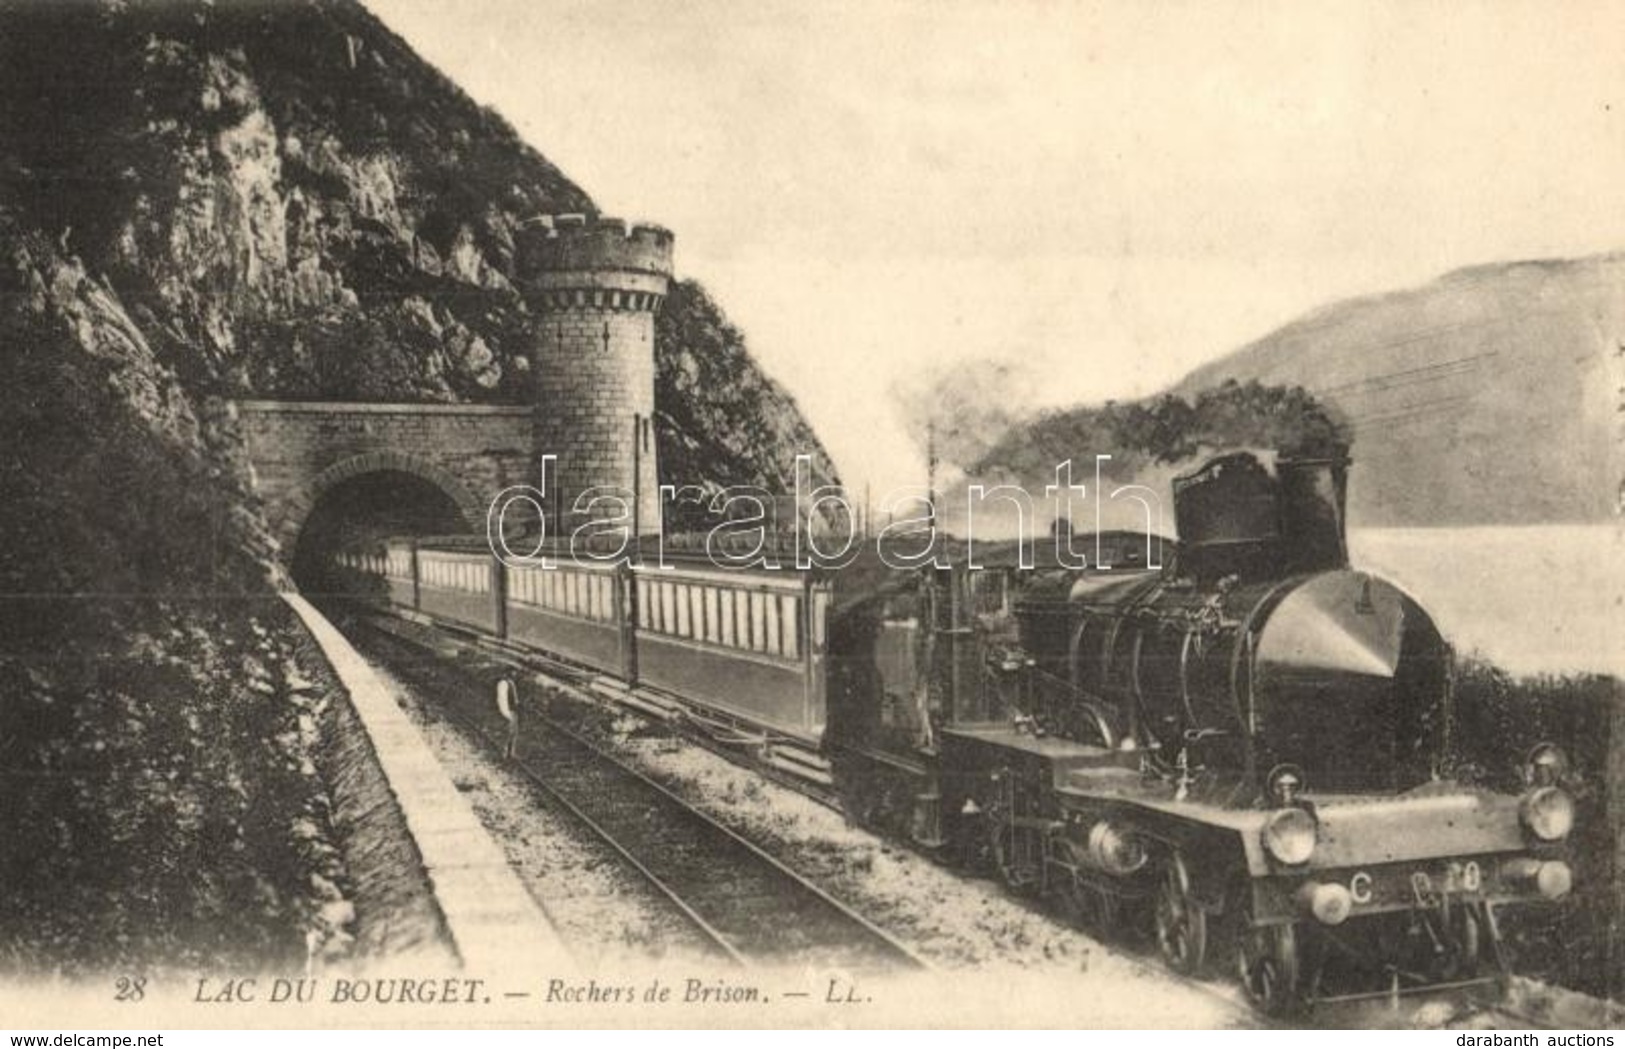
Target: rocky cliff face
[157,728]
[1491,396]
[288,202]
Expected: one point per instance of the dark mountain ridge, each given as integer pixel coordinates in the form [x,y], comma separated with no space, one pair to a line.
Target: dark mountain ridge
[1491,395]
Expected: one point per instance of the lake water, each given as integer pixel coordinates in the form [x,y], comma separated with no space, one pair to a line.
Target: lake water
[1537,599]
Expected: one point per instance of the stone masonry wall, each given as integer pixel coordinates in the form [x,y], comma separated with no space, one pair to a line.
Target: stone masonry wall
[299,449]
[595,284]
[595,374]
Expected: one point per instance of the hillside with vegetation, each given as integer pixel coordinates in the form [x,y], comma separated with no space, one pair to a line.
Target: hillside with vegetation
[1163,431]
[1491,395]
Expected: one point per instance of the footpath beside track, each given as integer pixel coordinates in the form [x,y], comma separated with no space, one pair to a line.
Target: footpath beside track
[489,915]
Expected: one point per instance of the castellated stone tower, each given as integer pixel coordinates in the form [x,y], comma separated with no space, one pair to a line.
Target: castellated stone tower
[595,286]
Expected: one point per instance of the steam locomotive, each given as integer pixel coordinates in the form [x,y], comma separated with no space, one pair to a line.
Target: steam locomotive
[1237,744]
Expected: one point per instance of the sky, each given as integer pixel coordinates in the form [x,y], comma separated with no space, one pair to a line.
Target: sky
[1103,195]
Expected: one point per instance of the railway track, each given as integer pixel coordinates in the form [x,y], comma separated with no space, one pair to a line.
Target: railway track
[744,903]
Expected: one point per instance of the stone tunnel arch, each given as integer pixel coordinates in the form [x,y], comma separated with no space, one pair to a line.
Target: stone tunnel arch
[463,510]
[472,510]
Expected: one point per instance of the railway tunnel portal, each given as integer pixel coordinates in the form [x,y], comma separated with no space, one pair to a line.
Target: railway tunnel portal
[334,473]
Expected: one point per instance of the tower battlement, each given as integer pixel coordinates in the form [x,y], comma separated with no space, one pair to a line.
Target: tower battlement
[578,254]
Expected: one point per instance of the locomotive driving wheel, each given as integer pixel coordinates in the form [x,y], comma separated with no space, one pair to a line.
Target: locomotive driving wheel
[1180,920]
[1097,910]
[1009,845]
[1269,964]
[1084,904]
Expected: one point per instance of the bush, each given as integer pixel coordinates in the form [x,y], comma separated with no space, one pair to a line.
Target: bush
[1498,718]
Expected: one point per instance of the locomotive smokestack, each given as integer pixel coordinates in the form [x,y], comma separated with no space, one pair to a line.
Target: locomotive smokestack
[1314,498]
[1237,516]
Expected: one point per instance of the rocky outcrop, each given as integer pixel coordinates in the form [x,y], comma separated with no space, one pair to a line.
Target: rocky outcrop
[287,202]
[1491,396]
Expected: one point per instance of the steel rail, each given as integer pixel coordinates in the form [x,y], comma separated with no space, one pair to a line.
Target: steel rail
[535,778]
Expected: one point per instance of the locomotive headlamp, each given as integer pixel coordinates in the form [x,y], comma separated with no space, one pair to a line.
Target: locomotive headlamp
[1290,834]
[1548,813]
[1546,765]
